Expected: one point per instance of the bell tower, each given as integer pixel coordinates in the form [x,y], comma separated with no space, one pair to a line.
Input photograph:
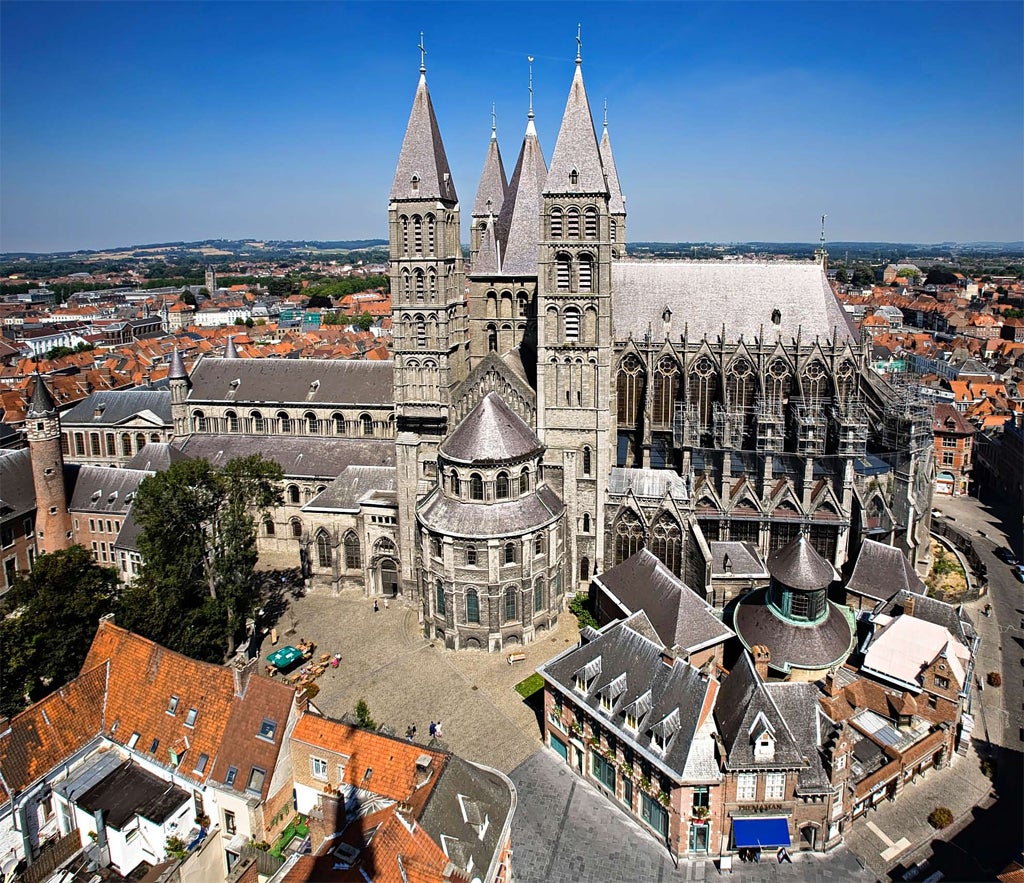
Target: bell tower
[42,427]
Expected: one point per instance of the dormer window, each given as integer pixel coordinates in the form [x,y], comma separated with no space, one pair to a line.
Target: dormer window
[776,317]
[190,718]
[415,182]
[574,177]
[587,675]
[663,731]
[763,737]
[630,720]
[611,693]
[172,706]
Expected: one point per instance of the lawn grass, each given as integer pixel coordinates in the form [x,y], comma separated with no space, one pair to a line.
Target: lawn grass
[296,828]
[531,685]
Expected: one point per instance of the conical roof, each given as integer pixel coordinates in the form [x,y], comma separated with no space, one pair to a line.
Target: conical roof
[491,433]
[576,149]
[423,155]
[799,566]
[616,204]
[519,223]
[229,351]
[493,184]
[177,370]
[42,402]
[488,258]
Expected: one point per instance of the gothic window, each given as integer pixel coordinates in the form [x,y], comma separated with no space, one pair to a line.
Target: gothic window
[323,548]
[199,421]
[777,384]
[574,177]
[586,522]
[740,384]
[430,234]
[353,559]
[339,423]
[94,444]
[366,424]
[501,488]
[629,536]
[417,234]
[612,229]
[563,271]
[440,598]
[630,391]
[666,542]
[572,324]
[492,338]
[590,222]
[471,555]
[404,221]
[703,389]
[419,285]
[572,224]
[454,485]
[510,604]
[509,556]
[311,423]
[406,288]
[538,596]
[476,486]
[815,382]
[258,424]
[432,285]
[284,421]
[232,420]
[556,223]
[587,460]
[666,391]
[472,606]
[586,271]
[296,528]
[293,493]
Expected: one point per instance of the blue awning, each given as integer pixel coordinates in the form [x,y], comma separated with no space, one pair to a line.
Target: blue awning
[760,833]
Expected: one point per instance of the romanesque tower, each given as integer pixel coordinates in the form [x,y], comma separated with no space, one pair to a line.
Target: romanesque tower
[42,427]
[574,328]
[616,201]
[177,380]
[490,195]
[427,309]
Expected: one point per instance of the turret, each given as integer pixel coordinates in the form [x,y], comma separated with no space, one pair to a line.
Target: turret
[177,380]
[490,195]
[42,428]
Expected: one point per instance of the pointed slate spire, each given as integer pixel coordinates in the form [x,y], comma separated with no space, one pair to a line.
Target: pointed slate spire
[229,351]
[42,402]
[576,160]
[616,202]
[519,223]
[422,171]
[490,195]
[177,370]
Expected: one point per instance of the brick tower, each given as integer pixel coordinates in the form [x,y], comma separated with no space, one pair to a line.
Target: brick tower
[53,522]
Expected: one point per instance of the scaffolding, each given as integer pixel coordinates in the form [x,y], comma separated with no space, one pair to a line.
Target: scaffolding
[809,427]
[685,427]
[907,421]
[730,426]
[770,428]
[850,425]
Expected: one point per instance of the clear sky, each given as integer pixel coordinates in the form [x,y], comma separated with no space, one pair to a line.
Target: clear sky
[129,123]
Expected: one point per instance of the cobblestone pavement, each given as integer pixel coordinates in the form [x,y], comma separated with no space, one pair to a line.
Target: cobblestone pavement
[406,679]
[569,833]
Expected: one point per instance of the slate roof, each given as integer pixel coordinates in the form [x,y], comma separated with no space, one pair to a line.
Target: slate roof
[653,484]
[680,618]
[678,689]
[129,791]
[616,202]
[493,183]
[742,295]
[488,259]
[347,491]
[954,619]
[882,571]
[320,382]
[423,154]
[42,401]
[116,406]
[460,518]
[17,493]
[518,226]
[576,147]
[744,560]
[177,371]
[298,456]
[128,535]
[806,646]
[104,490]
[799,566]
[809,726]
[492,433]
[156,457]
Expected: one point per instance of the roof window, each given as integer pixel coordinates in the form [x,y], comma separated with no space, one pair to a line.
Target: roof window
[201,763]
[134,740]
[153,746]
[268,729]
[229,779]
[172,706]
[256,778]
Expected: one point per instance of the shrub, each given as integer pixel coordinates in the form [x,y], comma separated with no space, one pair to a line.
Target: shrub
[994,679]
[988,768]
[363,714]
[579,607]
[175,847]
[940,817]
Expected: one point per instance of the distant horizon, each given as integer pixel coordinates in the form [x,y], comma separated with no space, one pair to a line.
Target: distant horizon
[730,122]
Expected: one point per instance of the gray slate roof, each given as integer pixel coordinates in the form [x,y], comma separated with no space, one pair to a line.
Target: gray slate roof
[104,490]
[616,202]
[177,369]
[576,147]
[322,382]
[493,183]
[653,484]
[809,726]
[17,493]
[953,618]
[42,401]
[298,456]
[423,154]
[488,258]
[799,566]
[492,433]
[459,518]
[744,560]
[680,618]
[741,295]
[622,648]
[881,571]
[116,406]
[353,485]
[519,222]
[156,457]
[128,536]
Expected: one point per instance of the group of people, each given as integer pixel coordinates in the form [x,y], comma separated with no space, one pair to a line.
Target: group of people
[754,855]
[435,731]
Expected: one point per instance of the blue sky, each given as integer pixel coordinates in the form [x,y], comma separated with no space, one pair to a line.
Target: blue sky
[127,123]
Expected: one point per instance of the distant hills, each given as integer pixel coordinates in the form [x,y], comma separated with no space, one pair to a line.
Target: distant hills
[212,249]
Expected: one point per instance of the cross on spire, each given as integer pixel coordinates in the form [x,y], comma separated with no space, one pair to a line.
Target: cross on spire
[423,55]
[494,121]
[579,44]
[823,230]
[606,113]
[529,58]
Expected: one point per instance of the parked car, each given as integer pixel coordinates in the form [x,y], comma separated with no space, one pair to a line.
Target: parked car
[1006,554]
[1018,572]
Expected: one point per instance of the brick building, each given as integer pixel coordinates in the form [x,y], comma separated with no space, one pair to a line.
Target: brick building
[954,450]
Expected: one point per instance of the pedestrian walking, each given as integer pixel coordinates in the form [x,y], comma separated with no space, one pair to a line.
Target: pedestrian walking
[433,729]
[385,603]
[437,730]
[757,856]
[376,606]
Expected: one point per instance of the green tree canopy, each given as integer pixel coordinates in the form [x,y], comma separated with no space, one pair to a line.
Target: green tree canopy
[198,542]
[940,276]
[49,619]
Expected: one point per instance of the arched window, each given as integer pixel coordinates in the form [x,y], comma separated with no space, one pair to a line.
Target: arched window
[404,221]
[405,287]
[586,522]
[666,392]
[538,596]
[629,536]
[572,324]
[590,222]
[323,548]
[631,382]
[198,421]
[432,285]
[572,224]
[563,271]
[293,493]
[140,442]
[339,423]
[472,606]
[815,382]
[353,559]
[454,484]
[492,338]
[476,486]
[284,421]
[417,234]
[612,229]
[258,424]
[524,480]
[846,383]
[586,271]
[510,604]
[94,444]
[666,542]
[232,419]
[126,444]
[268,527]
[556,223]
[509,556]
[777,382]
[522,304]
[574,177]
[471,555]
[421,332]
[153,437]
[501,486]
[740,385]
[366,423]
[418,278]
[296,528]
[703,390]
[311,423]
[439,589]
[111,443]
[584,568]
[588,457]
[430,234]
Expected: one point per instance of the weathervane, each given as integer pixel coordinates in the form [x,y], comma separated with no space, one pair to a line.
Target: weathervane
[494,120]
[423,55]
[529,58]
[823,230]
[579,43]
[606,113]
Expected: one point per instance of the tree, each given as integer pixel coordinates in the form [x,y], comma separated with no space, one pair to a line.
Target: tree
[239,320]
[863,277]
[365,321]
[188,298]
[841,276]
[319,302]
[279,287]
[198,543]
[249,322]
[49,619]
[363,715]
[940,276]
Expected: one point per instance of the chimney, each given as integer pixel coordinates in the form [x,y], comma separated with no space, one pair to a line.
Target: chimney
[908,604]
[831,685]
[762,656]
[668,656]
[326,819]
[242,672]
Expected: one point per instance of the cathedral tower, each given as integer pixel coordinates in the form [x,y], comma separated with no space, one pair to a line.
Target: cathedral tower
[490,195]
[616,201]
[428,310]
[42,426]
[177,380]
[574,328]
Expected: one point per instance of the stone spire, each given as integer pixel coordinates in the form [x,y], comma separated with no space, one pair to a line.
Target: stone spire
[576,160]
[616,201]
[42,402]
[490,195]
[177,370]
[229,351]
[518,225]
[423,171]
